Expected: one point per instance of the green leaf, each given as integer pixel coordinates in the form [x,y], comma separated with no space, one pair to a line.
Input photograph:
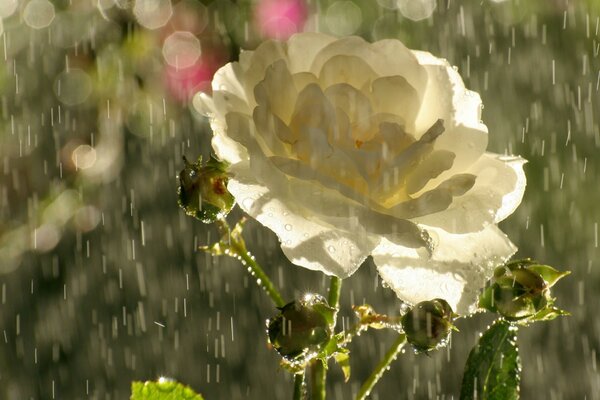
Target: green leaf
[486,299]
[493,367]
[343,360]
[163,389]
[549,313]
[548,274]
[327,312]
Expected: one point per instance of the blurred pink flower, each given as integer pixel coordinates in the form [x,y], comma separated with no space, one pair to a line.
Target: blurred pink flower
[280,19]
[182,83]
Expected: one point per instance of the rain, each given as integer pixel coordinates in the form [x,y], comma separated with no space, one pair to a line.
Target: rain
[101,278]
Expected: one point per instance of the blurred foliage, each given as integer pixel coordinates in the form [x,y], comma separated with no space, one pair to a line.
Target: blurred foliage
[100,279]
[163,389]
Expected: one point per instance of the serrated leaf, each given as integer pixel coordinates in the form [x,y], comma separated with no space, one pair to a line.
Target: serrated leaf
[548,274]
[163,389]
[493,368]
[343,360]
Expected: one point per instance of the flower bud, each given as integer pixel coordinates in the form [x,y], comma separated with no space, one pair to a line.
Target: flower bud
[301,328]
[203,190]
[521,290]
[428,324]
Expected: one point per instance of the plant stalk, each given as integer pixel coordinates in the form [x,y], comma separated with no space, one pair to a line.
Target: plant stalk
[380,369]
[238,248]
[257,272]
[299,386]
[318,374]
[335,288]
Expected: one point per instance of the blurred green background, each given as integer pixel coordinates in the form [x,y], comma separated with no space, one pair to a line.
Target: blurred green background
[100,279]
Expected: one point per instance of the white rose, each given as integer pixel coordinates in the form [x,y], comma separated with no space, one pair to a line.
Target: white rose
[347,149]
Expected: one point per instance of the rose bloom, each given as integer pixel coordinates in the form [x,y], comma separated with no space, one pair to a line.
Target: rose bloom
[347,149]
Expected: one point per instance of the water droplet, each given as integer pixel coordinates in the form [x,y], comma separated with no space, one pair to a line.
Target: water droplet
[247,203]
[288,227]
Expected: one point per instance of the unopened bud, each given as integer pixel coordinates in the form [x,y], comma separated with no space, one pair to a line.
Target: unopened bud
[301,328]
[203,190]
[428,324]
[521,290]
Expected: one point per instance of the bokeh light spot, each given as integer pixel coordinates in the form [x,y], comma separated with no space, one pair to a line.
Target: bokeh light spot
[84,156]
[343,18]
[417,10]
[73,87]
[181,49]
[39,14]
[280,18]
[8,7]
[153,14]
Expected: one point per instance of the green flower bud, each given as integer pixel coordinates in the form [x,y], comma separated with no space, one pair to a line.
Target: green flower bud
[428,324]
[203,190]
[521,290]
[302,328]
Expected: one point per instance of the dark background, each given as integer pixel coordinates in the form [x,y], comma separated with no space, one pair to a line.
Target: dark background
[100,279]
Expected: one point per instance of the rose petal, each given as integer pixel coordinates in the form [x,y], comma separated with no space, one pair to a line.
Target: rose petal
[394,95]
[228,102]
[385,58]
[393,176]
[302,49]
[446,96]
[498,190]
[356,106]
[433,201]
[228,78]
[340,211]
[303,79]
[312,123]
[304,240]
[242,129]
[335,173]
[257,63]
[270,124]
[431,166]
[457,268]
[277,91]
[347,69]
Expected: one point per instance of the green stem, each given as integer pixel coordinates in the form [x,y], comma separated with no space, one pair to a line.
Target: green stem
[318,369]
[238,248]
[261,277]
[335,288]
[299,386]
[319,374]
[379,370]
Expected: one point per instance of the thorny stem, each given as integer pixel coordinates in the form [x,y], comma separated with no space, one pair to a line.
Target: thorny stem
[299,393]
[379,370]
[238,248]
